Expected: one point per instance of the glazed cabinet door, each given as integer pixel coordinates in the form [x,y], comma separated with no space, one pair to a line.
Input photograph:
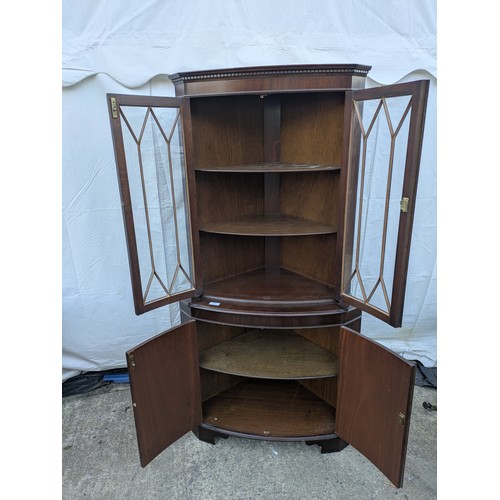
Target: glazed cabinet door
[165,387]
[152,144]
[374,402]
[385,141]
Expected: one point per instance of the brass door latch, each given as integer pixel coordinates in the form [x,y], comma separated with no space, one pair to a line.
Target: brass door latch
[404,204]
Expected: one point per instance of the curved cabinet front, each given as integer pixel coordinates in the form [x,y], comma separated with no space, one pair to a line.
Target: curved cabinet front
[253,316]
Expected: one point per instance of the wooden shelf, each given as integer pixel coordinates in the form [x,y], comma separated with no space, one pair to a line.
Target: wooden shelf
[269,299]
[270,354]
[269,225]
[261,287]
[270,409]
[270,167]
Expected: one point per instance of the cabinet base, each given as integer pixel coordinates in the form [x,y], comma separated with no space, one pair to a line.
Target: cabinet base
[208,435]
[328,444]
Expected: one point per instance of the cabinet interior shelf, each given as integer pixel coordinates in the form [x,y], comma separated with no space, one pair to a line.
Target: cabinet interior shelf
[270,409]
[269,167]
[269,225]
[270,354]
[267,287]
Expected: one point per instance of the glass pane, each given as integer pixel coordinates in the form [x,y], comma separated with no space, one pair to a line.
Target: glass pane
[152,140]
[378,175]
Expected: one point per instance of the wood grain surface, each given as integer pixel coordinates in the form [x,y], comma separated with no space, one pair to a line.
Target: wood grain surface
[269,225]
[272,354]
[271,409]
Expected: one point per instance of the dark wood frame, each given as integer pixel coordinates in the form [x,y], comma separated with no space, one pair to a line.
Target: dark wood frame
[418,92]
[127,208]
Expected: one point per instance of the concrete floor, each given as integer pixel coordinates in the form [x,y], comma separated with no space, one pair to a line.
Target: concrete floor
[100,461]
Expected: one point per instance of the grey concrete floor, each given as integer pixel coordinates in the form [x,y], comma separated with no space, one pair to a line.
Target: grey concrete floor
[100,461]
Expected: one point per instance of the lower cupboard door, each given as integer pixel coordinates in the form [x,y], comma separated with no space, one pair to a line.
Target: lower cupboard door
[165,387]
[374,402]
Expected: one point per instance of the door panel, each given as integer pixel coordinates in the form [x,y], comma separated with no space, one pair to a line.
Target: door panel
[381,183]
[374,402]
[165,387]
[149,141]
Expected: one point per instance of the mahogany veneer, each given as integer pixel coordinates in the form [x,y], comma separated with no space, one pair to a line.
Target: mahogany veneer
[269,225]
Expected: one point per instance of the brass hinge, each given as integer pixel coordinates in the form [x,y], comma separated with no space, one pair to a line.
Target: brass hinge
[402,418]
[114,109]
[131,361]
[404,204]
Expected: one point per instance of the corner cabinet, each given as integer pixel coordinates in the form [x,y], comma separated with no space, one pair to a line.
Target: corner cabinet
[250,199]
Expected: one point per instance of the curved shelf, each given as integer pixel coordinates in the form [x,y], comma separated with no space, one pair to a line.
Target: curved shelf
[269,225]
[270,167]
[270,354]
[271,289]
[270,410]
[280,299]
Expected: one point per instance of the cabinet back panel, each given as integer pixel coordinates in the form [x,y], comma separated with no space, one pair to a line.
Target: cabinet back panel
[228,196]
[311,256]
[327,338]
[223,256]
[311,195]
[312,128]
[212,383]
[210,334]
[227,130]
[325,388]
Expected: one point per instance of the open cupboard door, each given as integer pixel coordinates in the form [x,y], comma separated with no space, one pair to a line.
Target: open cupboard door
[385,142]
[374,402]
[152,144]
[165,387]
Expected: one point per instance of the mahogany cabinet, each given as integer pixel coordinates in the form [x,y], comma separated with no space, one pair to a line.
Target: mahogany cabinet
[275,204]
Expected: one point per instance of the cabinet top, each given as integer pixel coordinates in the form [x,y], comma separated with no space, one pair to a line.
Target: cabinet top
[269,79]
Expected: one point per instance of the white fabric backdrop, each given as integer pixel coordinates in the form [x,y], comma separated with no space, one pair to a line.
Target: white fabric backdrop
[113,47]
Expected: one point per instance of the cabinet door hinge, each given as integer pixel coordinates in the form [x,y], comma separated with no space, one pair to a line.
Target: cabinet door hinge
[402,418]
[404,204]
[114,109]
[131,361]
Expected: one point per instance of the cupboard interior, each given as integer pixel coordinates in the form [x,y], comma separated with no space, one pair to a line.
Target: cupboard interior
[236,130]
[268,207]
[237,236]
[294,397]
[267,182]
[230,257]
[228,197]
